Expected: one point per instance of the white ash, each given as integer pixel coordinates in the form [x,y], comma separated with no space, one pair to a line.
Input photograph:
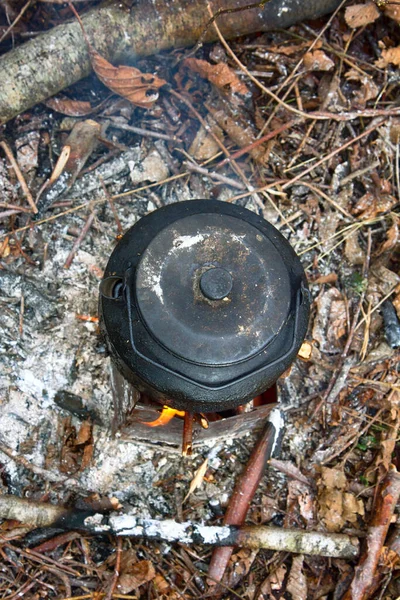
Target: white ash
[57,351]
[112,172]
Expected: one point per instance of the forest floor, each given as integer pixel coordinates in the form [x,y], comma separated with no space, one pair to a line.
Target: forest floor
[331,185]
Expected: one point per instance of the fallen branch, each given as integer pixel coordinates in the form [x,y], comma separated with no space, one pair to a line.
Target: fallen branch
[387,497]
[245,488]
[58,58]
[254,536]
[251,536]
[35,514]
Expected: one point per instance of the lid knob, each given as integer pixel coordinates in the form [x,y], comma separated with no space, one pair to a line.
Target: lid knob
[216,284]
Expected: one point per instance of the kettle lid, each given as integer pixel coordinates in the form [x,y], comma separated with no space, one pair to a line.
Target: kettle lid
[213,289]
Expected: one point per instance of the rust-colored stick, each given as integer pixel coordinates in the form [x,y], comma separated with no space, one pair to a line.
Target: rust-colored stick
[79,240]
[187,434]
[245,488]
[387,497]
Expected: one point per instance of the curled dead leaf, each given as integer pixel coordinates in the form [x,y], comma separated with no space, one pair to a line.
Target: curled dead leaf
[392,238]
[60,164]
[368,88]
[71,108]
[134,574]
[390,56]
[393,11]
[336,506]
[79,145]
[317,61]
[297,581]
[360,15]
[84,434]
[141,89]
[221,75]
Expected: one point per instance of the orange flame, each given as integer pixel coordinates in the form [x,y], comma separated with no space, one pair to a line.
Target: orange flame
[165,417]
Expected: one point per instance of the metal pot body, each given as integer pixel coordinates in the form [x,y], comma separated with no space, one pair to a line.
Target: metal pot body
[203,305]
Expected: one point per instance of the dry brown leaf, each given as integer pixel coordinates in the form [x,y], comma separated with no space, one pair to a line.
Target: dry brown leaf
[370,205]
[317,60]
[360,15]
[297,581]
[134,575]
[330,321]
[390,56]
[352,507]
[141,89]
[393,11]
[87,456]
[241,562]
[197,479]
[221,75]
[336,506]
[368,90]
[204,145]
[333,478]
[353,250]
[79,145]
[71,108]
[5,248]
[84,433]
[396,300]
[277,578]
[392,238]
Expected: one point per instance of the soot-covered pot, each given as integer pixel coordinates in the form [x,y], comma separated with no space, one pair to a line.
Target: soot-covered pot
[204,305]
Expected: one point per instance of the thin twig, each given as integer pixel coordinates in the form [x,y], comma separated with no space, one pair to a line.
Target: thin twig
[17,18]
[114,581]
[113,122]
[8,213]
[19,175]
[79,240]
[221,178]
[21,315]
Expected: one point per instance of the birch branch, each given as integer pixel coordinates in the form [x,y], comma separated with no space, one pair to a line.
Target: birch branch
[58,58]
[251,536]
[41,514]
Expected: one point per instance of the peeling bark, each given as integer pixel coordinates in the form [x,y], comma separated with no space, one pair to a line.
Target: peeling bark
[58,58]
